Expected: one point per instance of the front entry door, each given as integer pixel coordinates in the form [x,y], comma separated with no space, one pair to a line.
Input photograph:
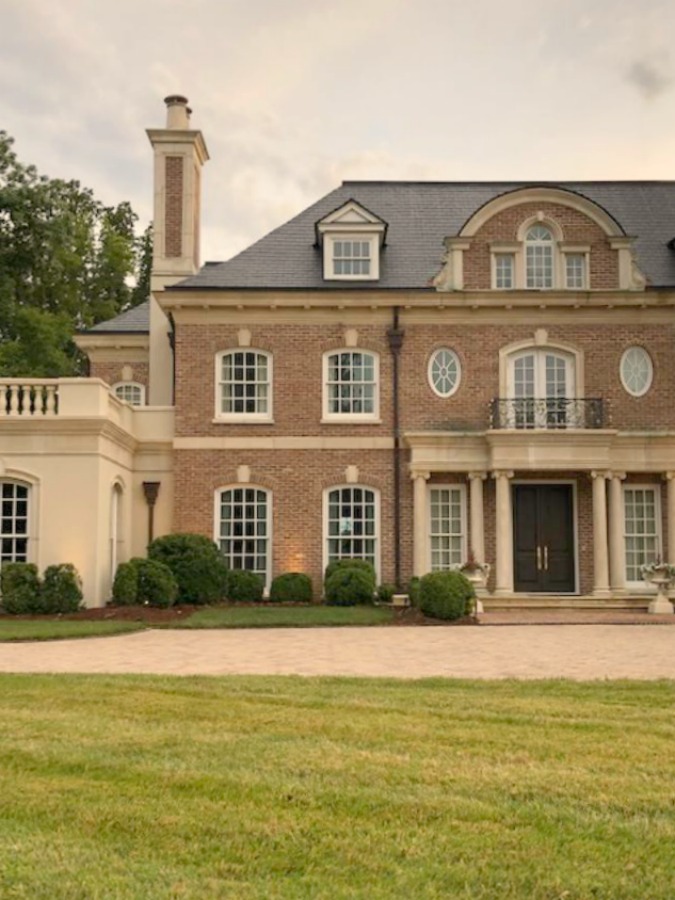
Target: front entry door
[543,538]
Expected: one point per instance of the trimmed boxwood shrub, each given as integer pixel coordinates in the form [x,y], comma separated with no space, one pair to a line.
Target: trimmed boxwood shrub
[291,587]
[61,589]
[244,586]
[349,586]
[20,586]
[361,564]
[446,595]
[125,585]
[197,565]
[156,583]
[385,593]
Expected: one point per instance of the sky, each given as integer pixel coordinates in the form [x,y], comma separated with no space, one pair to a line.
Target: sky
[295,96]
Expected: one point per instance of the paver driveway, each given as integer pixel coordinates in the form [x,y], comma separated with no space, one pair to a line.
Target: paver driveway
[562,651]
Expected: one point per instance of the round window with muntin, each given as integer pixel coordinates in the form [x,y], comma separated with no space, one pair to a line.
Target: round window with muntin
[445,372]
[637,371]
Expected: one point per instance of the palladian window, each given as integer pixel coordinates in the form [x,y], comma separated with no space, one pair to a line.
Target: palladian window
[539,257]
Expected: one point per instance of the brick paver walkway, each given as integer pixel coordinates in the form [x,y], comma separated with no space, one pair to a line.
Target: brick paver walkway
[544,651]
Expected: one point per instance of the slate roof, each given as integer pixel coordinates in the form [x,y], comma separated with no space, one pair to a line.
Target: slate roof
[135,320]
[420,215]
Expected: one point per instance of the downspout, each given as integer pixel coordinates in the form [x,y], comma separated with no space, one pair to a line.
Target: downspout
[172,344]
[395,337]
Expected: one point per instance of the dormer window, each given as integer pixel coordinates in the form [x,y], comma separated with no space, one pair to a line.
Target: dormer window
[352,238]
[540,260]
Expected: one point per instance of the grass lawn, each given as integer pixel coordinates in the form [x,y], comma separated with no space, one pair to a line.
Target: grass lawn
[48,630]
[131,787]
[284,616]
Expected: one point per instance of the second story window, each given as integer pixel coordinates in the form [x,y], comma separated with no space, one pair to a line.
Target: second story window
[130,391]
[351,259]
[504,271]
[575,271]
[244,386]
[539,247]
[351,386]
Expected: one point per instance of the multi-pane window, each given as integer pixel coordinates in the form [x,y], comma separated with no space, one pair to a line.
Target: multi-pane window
[504,269]
[641,529]
[351,383]
[352,524]
[243,531]
[245,384]
[130,391]
[351,258]
[575,271]
[444,372]
[447,527]
[14,522]
[539,247]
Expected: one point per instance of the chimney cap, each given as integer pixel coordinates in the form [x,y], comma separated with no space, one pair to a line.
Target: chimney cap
[176,100]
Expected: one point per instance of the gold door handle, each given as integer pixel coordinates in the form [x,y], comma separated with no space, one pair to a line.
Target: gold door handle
[538,558]
[546,558]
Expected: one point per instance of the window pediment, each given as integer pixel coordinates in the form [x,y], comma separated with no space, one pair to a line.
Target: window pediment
[351,238]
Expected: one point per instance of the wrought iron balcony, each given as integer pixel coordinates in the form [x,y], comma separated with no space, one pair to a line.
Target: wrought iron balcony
[550,413]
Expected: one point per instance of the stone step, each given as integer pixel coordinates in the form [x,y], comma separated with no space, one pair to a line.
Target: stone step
[557,602]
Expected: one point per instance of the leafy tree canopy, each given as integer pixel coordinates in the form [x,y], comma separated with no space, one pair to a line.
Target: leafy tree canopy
[67,261]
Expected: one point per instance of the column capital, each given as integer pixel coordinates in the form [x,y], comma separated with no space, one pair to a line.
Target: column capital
[669,476]
[476,476]
[415,474]
[619,476]
[502,473]
[600,473]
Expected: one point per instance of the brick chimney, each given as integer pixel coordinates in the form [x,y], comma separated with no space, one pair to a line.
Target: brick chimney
[179,154]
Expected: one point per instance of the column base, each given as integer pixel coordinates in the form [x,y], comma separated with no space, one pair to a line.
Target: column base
[603,594]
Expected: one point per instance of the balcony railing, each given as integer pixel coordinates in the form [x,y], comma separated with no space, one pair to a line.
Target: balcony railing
[551,413]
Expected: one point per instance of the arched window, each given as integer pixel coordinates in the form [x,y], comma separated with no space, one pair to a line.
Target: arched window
[115,527]
[14,524]
[131,391]
[351,389]
[541,386]
[244,528]
[244,385]
[352,524]
[539,249]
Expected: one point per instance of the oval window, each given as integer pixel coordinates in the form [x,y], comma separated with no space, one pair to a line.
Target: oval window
[444,372]
[636,371]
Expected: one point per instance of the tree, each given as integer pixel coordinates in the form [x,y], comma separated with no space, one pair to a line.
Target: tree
[67,261]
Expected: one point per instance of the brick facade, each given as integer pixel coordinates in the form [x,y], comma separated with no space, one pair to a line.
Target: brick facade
[113,372]
[173,235]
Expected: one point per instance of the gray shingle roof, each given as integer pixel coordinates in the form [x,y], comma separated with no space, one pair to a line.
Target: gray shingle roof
[133,320]
[420,215]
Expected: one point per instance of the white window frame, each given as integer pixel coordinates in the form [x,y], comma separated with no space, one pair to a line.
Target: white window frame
[134,385]
[248,417]
[464,539]
[329,242]
[567,257]
[496,256]
[650,361]
[351,417]
[430,379]
[269,538]
[540,408]
[658,535]
[377,519]
[12,535]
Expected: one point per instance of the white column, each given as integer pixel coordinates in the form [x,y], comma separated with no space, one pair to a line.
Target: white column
[600,555]
[617,544]
[420,523]
[504,567]
[477,525]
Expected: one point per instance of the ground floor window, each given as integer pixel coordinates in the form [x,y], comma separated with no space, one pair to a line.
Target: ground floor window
[642,529]
[14,522]
[447,534]
[244,529]
[352,526]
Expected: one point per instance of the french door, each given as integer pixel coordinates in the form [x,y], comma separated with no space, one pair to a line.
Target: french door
[541,384]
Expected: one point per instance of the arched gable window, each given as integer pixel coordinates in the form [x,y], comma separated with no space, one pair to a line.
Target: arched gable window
[244,385]
[243,528]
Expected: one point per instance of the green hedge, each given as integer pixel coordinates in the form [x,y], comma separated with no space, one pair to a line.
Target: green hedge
[446,595]
[125,585]
[197,565]
[361,564]
[244,586]
[291,587]
[349,586]
[61,589]
[144,582]
[20,585]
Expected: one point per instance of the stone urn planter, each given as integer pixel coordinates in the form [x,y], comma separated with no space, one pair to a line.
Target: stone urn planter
[477,573]
[662,576]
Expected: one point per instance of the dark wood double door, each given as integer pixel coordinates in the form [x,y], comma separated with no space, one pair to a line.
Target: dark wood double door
[543,538]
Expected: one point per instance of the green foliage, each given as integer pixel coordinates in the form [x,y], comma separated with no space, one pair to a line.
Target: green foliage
[361,564]
[385,593]
[244,586]
[197,565]
[414,591]
[349,586]
[125,585]
[156,583]
[61,589]
[446,595]
[66,262]
[291,587]
[20,586]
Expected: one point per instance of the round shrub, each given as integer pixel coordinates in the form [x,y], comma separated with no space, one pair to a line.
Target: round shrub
[156,583]
[385,593]
[291,587]
[446,595]
[61,589]
[197,565]
[20,586]
[361,564]
[244,586]
[349,586]
[125,585]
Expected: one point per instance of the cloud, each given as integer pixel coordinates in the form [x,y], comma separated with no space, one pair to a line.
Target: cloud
[650,78]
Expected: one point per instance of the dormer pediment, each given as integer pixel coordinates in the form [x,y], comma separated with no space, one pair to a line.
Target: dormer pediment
[351,215]
[351,237]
